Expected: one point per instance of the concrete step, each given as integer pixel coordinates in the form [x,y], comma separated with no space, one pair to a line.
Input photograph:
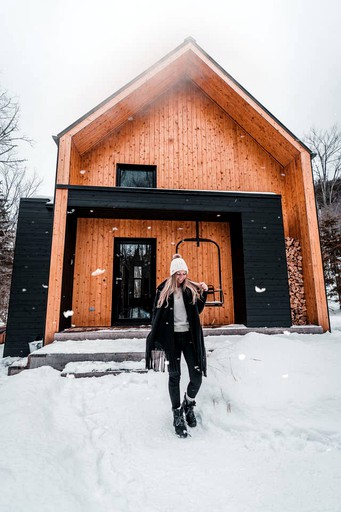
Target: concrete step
[59,353]
[18,366]
[142,332]
[100,369]
[102,334]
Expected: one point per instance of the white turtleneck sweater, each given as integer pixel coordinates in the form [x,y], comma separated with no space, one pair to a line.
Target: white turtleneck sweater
[180,315]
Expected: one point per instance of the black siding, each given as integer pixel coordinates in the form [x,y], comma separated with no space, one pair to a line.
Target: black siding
[265,269]
[27,309]
[68,270]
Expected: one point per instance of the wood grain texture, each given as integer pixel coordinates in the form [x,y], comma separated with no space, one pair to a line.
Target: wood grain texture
[92,295]
[194,144]
[56,265]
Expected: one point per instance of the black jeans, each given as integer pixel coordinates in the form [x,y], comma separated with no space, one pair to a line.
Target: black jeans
[183,344]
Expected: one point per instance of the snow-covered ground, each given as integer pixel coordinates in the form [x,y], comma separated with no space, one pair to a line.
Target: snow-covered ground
[268,440]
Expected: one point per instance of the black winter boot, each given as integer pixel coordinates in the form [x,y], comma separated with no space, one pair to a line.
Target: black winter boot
[189,412]
[179,422]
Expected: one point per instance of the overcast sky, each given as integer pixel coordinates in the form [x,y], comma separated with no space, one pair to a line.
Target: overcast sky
[61,58]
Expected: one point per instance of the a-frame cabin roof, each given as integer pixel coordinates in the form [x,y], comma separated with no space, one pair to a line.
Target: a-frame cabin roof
[188,61]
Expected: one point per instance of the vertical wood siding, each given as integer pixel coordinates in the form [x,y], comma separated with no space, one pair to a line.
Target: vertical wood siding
[193,143]
[92,295]
[303,222]
[56,265]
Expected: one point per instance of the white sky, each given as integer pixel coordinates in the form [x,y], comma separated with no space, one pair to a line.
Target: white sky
[61,58]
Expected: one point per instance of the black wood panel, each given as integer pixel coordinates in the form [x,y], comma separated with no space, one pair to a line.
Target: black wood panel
[265,270]
[27,306]
[68,271]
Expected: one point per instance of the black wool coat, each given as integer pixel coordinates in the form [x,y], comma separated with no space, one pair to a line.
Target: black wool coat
[162,331]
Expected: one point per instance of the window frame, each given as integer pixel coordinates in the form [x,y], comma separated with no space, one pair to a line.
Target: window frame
[135,167]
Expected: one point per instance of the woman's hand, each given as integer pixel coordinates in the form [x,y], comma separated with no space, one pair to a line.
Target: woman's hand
[203,286]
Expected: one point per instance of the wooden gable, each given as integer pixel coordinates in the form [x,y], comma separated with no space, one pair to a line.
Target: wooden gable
[187,63]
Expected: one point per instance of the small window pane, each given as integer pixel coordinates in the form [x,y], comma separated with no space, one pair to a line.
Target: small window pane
[131,175]
[137,288]
[138,272]
[136,179]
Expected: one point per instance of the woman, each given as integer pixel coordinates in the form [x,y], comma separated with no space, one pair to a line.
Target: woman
[176,329]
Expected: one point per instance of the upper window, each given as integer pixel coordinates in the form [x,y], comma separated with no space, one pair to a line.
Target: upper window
[133,175]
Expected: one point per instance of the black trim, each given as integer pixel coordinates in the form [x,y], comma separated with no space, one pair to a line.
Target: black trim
[134,168]
[114,310]
[238,277]
[68,271]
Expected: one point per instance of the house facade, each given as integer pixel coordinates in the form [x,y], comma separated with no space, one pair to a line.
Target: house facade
[182,159]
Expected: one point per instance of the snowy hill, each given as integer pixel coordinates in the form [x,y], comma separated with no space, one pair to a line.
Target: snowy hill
[268,440]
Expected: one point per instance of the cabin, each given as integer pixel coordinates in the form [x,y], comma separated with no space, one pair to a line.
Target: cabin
[182,159]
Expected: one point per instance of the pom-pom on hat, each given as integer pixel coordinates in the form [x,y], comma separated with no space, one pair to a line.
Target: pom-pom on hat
[178,265]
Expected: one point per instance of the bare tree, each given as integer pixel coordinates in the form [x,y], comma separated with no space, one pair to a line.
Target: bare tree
[14,178]
[14,184]
[326,144]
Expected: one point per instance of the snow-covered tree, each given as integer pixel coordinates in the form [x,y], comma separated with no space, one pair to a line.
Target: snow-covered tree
[330,231]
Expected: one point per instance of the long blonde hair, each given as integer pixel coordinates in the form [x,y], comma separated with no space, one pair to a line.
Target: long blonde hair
[171,286]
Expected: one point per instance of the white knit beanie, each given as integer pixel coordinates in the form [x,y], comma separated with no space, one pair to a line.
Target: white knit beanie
[178,265]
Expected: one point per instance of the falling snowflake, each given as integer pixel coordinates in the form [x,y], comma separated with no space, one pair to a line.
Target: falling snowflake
[44,285]
[67,313]
[82,172]
[260,290]
[285,376]
[98,272]
[241,357]
[24,290]
[114,229]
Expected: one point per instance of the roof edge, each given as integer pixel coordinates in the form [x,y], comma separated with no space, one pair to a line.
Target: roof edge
[297,139]
[188,41]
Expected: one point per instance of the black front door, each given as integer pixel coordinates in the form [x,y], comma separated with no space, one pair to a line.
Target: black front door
[134,280]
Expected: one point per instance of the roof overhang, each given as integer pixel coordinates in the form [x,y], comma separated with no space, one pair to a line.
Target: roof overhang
[166,204]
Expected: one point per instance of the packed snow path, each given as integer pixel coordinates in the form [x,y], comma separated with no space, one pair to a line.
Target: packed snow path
[268,438]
